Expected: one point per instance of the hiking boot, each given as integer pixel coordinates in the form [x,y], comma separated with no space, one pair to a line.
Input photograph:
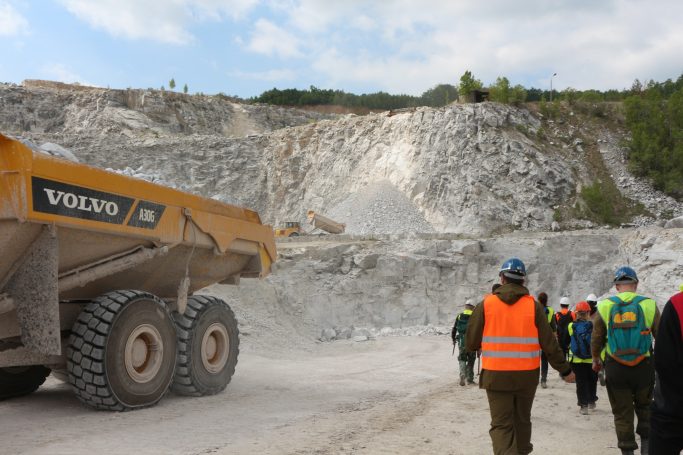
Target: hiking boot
[627,452]
[462,380]
[544,384]
[471,382]
[644,446]
[584,410]
[591,405]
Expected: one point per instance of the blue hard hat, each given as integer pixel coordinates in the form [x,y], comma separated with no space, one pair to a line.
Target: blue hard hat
[625,275]
[513,268]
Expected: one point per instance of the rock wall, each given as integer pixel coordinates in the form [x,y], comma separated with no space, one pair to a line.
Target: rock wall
[476,169]
[401,282]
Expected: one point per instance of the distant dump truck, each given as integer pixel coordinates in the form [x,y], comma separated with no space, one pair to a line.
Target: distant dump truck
[290,229]
[294,229]
[326,224]
[97,275]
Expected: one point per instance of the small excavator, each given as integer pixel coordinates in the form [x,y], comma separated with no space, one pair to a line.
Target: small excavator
[294,229]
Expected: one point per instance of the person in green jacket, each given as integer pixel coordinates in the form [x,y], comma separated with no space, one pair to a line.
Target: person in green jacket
[579,334]
[623,328]
[465,359]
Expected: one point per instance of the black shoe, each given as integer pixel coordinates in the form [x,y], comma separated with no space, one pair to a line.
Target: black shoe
[471,382]
[644,446]
[462,380]
[627,452]
[544,384]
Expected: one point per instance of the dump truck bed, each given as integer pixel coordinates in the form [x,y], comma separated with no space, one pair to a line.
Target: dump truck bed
[96,280]
[100,216]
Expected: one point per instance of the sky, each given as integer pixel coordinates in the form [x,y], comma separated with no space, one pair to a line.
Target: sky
[244,47]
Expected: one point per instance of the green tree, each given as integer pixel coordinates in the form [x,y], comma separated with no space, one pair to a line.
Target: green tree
[171,84]
[468,83]
[500,91]
[517,95]
[185,89]
[441,95]
[656,145]
[570,95]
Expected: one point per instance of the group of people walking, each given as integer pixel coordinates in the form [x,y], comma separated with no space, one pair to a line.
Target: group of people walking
[516,335]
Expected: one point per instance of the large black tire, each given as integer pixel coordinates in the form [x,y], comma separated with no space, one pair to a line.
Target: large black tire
[208,346]
[18,381]
[122,351]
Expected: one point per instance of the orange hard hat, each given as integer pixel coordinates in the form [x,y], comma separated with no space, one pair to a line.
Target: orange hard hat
[582,306]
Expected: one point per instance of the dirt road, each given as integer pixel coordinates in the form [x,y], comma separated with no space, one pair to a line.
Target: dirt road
[392,395]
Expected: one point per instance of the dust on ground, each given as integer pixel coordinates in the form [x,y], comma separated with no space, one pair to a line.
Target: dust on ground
[391,395]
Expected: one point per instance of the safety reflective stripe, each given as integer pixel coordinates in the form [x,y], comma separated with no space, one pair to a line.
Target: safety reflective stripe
[510,340]
[511,354]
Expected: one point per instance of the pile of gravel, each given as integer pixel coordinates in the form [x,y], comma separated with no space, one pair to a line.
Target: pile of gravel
[380,208]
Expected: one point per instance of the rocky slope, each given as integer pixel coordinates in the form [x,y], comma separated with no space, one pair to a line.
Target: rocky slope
[473,169]
[425,188]
[346,287]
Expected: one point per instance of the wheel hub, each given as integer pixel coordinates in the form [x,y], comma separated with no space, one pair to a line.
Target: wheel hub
[144,353]
[215,348]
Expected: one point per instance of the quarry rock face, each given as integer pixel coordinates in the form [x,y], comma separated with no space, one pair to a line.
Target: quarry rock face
[417,283]
[475,169]
[433,199]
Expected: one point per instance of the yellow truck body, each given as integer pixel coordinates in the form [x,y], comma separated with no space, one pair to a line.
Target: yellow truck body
[71,232]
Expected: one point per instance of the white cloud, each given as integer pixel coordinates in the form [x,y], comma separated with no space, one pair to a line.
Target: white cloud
[12,23]
[273,75]
[62,73]
[411,45]
[166,21]
[269,39]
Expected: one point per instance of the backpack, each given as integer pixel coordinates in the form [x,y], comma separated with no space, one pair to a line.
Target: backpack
[461,323]
[460,327]
[628,336]
[563,321]
[581,339]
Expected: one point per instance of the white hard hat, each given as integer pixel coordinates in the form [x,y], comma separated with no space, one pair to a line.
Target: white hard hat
[592,298]
[564,301]
[469,302]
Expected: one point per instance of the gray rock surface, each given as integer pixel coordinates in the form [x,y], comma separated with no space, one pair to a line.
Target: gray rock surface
[674,223]
[471,169]
[419,285]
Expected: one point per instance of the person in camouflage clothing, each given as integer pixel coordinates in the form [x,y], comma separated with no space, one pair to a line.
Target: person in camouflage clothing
[465,359]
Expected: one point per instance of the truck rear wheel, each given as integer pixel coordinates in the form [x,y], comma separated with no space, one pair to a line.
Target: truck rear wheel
[18,381]
[122,351]
[208,346]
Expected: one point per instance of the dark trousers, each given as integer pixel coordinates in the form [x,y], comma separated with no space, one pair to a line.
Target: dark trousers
[630,390]
[466,361]
[666,434]
[544,367]
[511,421]
[586,383]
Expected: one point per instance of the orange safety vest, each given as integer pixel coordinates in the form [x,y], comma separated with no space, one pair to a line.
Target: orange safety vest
[510,339]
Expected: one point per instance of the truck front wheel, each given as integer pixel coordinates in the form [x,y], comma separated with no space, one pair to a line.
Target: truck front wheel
[208,346]
[122,351]
[18,381]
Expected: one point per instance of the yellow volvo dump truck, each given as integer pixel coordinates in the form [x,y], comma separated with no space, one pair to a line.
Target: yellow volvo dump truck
[97,275]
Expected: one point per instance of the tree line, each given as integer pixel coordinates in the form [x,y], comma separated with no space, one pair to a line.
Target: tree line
[654,116]
[443,94]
